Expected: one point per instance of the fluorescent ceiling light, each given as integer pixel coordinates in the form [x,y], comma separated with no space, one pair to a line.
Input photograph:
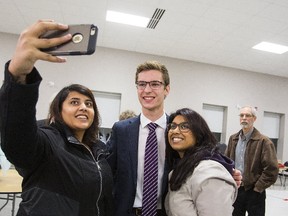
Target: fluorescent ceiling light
[271,47]
[113,16]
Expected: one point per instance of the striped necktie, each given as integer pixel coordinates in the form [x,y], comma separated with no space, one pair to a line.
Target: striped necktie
[150,182]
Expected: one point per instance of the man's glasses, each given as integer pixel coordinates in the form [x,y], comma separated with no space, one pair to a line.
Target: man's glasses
[153,84]
[183,127]
[247,115]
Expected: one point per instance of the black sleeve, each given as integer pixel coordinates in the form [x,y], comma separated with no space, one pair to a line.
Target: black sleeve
[19,132]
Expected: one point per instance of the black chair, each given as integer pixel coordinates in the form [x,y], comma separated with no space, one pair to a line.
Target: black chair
[283,174]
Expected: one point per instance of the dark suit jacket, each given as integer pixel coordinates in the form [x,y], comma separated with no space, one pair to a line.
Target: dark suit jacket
[123,160]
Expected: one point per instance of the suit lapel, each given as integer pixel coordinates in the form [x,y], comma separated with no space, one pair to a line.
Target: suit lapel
[133,138]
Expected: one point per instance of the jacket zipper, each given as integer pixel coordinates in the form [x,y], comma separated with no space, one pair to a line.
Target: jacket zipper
[101,183]
[100,174]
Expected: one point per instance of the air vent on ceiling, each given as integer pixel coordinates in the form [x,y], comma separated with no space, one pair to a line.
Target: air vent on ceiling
[155,18]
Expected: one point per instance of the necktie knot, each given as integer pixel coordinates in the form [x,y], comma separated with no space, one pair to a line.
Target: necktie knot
[152,126]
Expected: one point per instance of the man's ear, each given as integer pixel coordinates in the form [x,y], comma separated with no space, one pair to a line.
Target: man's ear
[167,89]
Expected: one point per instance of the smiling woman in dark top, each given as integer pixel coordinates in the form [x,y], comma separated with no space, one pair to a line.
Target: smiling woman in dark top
[62,162]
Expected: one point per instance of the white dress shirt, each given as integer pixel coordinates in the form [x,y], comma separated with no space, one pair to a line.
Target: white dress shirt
[143,134]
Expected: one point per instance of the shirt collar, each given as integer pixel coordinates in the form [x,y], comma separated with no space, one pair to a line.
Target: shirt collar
[161,122]
[246,136]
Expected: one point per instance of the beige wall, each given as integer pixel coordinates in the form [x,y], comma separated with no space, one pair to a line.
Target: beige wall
[192,84]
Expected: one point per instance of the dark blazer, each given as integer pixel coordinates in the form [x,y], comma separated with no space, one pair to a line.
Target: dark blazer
[123,160]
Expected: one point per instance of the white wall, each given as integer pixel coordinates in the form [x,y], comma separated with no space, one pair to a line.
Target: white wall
[192,84]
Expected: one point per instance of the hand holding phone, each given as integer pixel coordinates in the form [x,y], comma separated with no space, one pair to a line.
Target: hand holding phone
[83,42]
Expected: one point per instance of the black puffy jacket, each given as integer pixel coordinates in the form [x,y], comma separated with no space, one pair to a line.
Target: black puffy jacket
[61,176]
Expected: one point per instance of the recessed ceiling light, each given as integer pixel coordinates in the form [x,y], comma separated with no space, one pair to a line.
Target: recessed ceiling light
[271,47]
[129,19]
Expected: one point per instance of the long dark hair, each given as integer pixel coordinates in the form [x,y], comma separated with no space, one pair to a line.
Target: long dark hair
[205,145]
[55,110]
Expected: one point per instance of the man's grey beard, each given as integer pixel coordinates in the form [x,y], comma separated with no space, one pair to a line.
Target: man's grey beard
[244,125]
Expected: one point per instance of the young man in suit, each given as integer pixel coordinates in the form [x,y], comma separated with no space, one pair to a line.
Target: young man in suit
[129,137]
[128,140]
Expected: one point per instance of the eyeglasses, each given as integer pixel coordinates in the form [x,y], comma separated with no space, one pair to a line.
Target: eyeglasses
[247,115]
[153,84]
[183,127]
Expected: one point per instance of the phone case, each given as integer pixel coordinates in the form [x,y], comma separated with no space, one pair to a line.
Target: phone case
[83,42]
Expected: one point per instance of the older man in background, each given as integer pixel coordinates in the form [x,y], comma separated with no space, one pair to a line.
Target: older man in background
[255,156]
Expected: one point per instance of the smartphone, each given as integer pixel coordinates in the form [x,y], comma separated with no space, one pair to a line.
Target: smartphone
[83,42]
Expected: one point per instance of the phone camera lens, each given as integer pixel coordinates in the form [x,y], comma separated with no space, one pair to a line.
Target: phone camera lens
[77,38]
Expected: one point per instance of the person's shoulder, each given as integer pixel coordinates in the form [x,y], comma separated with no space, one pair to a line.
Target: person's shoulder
[258,135]
[210,169]
[123,123]
[235,135]
[47,128]
[207,164]
[209,172]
